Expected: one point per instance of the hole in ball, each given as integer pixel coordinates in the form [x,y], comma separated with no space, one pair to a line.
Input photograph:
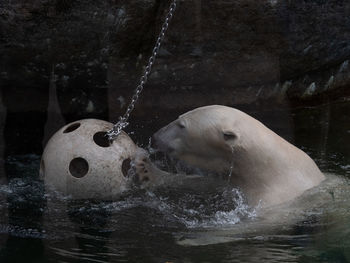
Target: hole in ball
[78,167]
[101,139]
[72,127]
[126,165]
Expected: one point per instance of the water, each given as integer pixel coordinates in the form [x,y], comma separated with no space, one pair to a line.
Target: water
[206,223]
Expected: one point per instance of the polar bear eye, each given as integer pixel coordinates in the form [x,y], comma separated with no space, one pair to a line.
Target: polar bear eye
[229,136]
[181,125]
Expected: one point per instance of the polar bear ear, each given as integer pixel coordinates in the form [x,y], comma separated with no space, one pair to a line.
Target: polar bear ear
[229,136]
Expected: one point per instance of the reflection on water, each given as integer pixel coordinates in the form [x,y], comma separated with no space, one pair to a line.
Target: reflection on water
[205,223]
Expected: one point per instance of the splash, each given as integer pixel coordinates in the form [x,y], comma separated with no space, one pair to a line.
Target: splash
[222,217]
[220,208]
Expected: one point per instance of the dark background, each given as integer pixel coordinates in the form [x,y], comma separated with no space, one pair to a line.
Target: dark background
[65,60]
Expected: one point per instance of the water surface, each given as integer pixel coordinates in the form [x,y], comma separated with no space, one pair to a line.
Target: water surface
[190,224]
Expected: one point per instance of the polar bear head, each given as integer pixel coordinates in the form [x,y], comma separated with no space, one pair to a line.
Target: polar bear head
[205,137]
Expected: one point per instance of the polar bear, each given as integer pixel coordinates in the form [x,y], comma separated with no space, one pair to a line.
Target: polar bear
[268,169]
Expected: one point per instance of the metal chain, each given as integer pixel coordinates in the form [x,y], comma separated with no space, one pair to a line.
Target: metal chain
[123,120]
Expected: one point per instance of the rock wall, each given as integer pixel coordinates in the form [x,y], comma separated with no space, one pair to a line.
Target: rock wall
[241,53]
[245,53]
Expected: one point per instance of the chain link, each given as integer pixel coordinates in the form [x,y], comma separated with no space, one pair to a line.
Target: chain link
[123,120]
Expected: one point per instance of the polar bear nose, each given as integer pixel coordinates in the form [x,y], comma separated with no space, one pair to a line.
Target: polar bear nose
[158,144]
[162,139]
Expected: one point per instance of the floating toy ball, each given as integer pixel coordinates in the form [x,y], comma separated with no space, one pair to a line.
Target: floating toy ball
[80,161]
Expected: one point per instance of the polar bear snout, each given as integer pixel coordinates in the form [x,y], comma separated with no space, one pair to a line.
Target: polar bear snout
[162,140]
[160,145]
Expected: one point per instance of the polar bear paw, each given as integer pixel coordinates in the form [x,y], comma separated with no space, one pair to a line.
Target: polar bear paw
[143,170]
[146,174]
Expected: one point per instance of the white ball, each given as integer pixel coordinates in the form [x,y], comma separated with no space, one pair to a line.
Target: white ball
[79,161]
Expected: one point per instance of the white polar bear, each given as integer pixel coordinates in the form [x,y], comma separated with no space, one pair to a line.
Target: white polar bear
[268,169]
